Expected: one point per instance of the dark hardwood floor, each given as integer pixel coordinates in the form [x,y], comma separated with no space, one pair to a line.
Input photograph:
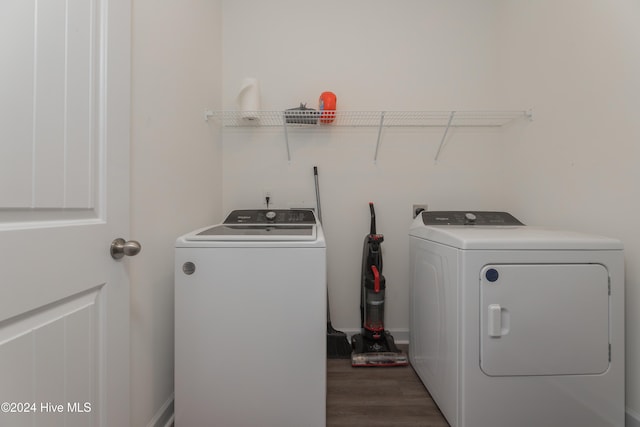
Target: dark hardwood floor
[372,397]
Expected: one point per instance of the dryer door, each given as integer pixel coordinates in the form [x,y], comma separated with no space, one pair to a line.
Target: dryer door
[544,319]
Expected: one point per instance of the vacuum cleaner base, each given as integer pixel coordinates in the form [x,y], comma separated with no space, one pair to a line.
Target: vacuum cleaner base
[379,353]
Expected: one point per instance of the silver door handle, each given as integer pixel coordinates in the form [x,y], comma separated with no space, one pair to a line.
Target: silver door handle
[120,248]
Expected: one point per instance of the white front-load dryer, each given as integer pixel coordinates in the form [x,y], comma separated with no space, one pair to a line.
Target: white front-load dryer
[516,326]
[250,322]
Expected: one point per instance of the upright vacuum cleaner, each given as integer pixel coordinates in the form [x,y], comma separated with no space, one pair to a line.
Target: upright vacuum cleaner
[374,346]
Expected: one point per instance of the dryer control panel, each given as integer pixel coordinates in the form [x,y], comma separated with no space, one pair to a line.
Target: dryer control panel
[483,218]
[271,216]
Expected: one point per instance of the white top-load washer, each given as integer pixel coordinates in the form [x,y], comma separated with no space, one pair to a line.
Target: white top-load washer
[250,322]
[516,326]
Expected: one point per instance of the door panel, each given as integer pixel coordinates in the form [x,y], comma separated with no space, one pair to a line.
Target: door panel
[51,355]
[51,74]
[544,319]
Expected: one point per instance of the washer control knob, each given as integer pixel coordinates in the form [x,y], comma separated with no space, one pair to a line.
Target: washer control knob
[271,215]
[471,218]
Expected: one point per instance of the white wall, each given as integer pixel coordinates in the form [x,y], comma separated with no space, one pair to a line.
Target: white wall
[577,64]
[176,175]
[374,55]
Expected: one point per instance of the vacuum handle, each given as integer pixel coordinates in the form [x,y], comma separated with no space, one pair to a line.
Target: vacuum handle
[373,218]
[376,279]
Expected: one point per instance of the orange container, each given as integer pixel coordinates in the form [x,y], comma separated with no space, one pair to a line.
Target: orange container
[327,107]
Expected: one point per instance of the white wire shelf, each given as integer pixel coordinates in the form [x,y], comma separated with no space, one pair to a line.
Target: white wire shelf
[377,119]
[307,118]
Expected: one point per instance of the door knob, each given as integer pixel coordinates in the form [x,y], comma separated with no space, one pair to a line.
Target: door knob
[120,248]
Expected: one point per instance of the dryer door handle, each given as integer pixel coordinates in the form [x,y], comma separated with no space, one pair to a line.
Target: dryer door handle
[494,322]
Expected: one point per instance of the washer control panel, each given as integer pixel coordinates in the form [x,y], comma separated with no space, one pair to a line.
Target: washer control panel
[271,216]
[482,218]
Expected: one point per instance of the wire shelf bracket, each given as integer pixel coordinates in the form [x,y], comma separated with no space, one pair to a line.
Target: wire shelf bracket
[375,155]
[444,136]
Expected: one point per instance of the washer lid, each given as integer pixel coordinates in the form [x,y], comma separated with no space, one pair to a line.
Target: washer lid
[260,225]
[256,232]
[509,237]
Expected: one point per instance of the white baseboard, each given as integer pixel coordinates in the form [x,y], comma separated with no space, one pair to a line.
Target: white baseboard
[164,416]
[632,418]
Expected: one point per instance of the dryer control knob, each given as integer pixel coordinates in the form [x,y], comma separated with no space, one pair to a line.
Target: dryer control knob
[271,215]
[471,218]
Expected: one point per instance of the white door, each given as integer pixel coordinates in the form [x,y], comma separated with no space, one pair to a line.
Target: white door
[64,179]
